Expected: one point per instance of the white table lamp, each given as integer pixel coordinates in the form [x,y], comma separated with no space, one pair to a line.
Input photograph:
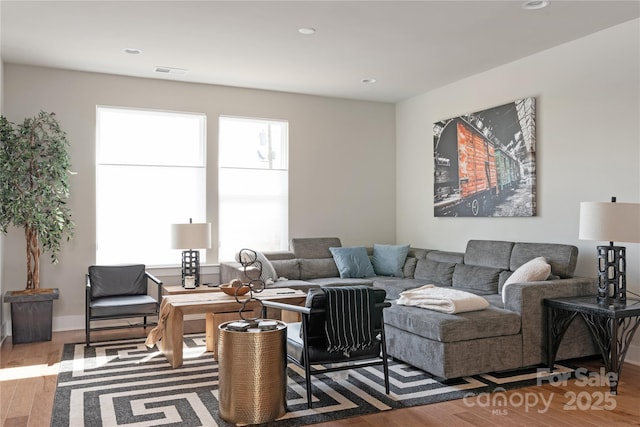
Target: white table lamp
[613,222]
[191,237]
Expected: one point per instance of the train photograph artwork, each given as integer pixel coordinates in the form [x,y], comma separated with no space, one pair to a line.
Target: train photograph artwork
[484,162]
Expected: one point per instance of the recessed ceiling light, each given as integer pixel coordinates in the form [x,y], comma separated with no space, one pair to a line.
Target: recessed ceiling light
[368,81]
[307,31]
[535,4]
[132,51]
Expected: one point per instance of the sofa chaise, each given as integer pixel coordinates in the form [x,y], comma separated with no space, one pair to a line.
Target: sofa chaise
[508,334]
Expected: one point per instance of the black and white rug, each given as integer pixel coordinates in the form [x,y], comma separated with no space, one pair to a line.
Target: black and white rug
[124,383]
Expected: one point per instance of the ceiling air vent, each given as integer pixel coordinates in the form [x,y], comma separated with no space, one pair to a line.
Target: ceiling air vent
[169,70]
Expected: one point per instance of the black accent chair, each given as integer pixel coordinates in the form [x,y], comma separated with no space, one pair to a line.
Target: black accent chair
[119,292]
[307,340]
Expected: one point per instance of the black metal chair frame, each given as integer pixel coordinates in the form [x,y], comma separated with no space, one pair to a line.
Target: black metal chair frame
[306,312]
[145,323]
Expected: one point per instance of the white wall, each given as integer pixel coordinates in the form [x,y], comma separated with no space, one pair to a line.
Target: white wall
[342,168]
[588,145]
[2,316]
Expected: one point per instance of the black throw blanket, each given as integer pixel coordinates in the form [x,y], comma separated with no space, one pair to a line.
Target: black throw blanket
[349,318]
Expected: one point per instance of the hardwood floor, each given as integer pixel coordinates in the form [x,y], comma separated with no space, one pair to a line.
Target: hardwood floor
[28,382]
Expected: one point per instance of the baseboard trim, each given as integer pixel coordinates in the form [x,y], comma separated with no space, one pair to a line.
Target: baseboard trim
[76,323]
[633,353]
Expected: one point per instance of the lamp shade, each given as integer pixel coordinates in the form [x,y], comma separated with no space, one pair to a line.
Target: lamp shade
[191,236]
[609,221]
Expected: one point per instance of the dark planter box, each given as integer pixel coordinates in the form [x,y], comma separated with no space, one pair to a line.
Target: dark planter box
[31,314]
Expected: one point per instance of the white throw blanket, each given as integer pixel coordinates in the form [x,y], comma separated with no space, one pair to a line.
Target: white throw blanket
[446,300]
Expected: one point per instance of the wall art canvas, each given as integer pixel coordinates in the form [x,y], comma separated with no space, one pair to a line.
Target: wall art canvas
[485,163]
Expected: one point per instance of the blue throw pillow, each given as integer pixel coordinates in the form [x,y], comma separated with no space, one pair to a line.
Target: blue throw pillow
[388,260]
[352,262]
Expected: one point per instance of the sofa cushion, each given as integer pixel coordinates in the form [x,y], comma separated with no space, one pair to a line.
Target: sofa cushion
[388,260]
[488,253]
[562,258]
[287,268]
[314,247]
[495,300]
[433,272]
[409,267]
[278,255]
[393,285]
[444,256]
[316,268]
[535,270]
[490,322]
[326,282]
[352,262]
[482,279]
[417,252]
[504,275]
[302,285]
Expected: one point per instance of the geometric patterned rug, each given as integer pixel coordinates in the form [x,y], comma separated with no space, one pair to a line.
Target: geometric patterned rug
[124,383]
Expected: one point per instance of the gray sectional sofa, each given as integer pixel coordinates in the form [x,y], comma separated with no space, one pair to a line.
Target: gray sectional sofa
[506,335]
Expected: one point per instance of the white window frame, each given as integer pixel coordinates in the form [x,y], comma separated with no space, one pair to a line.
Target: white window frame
[158,188]
[253,185]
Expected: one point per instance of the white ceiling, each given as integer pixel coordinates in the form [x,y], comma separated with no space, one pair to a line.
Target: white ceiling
[409,47]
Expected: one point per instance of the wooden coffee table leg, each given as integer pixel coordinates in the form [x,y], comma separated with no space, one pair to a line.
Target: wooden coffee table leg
[212,323]
[172,340]
[211,333]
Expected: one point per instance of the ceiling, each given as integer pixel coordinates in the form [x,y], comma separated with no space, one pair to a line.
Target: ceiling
[408,47]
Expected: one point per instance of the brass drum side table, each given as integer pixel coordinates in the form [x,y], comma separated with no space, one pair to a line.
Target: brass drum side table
[252,374]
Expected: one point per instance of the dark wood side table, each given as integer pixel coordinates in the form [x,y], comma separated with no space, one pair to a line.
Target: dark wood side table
[611,327]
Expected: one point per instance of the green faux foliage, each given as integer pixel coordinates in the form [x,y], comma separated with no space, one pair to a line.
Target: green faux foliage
[34,187]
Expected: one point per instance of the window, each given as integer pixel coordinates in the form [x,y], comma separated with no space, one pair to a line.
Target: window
[253,182]
[150,173]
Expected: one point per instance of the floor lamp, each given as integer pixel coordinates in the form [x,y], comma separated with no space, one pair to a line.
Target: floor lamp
[613,222]
[191,237]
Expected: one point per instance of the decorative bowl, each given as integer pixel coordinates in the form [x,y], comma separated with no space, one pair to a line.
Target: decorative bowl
[228,289]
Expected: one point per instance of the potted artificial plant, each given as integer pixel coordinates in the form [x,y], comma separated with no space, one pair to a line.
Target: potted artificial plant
[34,188]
